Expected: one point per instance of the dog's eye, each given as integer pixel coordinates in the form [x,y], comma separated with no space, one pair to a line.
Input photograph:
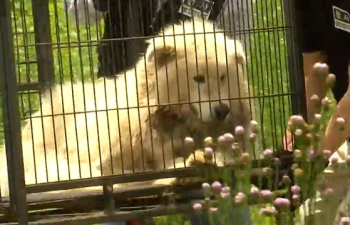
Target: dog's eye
[199,79]
[222,77]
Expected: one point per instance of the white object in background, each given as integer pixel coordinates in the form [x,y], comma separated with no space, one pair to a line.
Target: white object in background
[326,211]
[84,12]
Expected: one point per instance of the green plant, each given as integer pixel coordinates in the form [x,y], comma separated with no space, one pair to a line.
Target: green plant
[309,162]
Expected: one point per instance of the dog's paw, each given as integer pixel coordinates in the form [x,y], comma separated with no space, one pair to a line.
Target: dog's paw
[198,158]
[177,181]
[165,181]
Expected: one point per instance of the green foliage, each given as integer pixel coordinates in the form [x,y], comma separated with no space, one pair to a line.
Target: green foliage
[268,69]
[74,50]
[172,220]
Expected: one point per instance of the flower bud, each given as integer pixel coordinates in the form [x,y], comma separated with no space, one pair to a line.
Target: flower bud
[296,198]
[208,153]
[189,141]
[266,194]
[295,189]
[216,187]
[315,100]
[282,202]
[268,153]
[197,207]
[297,153]
[320,70]
[330,80]
[298,172]
[229,137]
[267,171]
[245,157]
[206,188]
[213,209]
[254,191]
[208,141]
[252,137]
[341,123]
[277,161]
[225,194]
[325,103]
[345,221]
[225,190]
[235,147]
[298,132]
[317,119]
[268,211]
[286,179]
[239,131]
[221,139]
[297,121]
[240,197]
[254,126]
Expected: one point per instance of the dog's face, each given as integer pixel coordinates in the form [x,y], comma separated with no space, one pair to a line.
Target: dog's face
[203,74]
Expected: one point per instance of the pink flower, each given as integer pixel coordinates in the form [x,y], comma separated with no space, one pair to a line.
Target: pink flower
[213,209]
[221,139]
[268,211]
[341,123]
[325,103]
[226,189]
[268,153]
[197,207]
[254,191]
[240,197]
[282,202]
[189,141]
[286,179]
[345,221]
[295,189]
[297,121]
[295,197]
[216,187]
[266,194]
[208,153]
[239,131]
[229,137]
[225,194]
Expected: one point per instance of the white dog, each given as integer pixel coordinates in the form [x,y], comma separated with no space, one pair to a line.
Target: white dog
[137,122]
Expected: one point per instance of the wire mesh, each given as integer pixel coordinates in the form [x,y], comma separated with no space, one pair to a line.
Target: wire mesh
[264,43]
[111,42]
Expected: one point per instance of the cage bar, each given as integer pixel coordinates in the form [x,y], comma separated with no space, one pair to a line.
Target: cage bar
[43,40]
[11,118]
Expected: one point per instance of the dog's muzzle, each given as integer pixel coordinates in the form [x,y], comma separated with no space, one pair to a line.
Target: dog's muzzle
[221,111]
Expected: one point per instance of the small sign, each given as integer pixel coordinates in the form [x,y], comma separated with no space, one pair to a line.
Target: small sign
[196,8]
[341,19]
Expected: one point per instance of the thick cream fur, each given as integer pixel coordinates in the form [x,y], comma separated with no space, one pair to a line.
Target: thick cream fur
[98,135]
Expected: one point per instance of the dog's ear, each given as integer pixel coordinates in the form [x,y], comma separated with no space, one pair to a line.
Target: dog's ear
[235,49]
[160,53]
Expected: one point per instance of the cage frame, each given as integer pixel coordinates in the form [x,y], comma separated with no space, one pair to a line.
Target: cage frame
[22,197]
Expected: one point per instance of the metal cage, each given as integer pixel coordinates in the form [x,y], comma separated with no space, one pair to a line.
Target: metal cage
[41,45]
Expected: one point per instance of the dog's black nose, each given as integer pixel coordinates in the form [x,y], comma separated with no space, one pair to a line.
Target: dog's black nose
[221,111]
